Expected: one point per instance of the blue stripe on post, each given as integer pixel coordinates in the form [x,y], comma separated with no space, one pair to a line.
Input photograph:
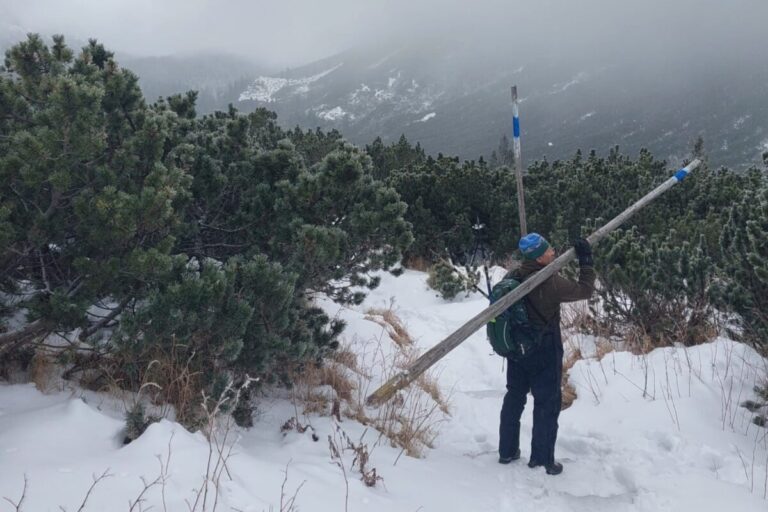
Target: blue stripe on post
[516,127]
[681,174]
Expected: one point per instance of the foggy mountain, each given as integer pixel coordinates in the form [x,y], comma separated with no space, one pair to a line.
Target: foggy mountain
[455,98]
[218,78]
[587,79]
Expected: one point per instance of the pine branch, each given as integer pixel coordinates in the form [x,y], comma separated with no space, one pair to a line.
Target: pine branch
[37,329]
[90,331]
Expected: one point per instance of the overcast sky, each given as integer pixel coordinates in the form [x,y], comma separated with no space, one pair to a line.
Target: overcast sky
[292,32]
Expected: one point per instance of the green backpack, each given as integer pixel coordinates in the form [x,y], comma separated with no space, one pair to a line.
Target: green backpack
[511,334]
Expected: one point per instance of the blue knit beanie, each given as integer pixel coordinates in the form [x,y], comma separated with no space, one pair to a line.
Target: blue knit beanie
[533,245]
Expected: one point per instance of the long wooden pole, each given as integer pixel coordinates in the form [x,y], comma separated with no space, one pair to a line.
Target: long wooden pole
[518,162]
[399,381]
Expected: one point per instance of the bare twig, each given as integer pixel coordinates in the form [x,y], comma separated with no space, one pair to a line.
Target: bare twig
[96,480]
[17,504]
[140,498]
[337,449]
[161,480]
[219,451]
[288,505]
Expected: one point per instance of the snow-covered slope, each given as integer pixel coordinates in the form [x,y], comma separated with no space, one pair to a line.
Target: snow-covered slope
[264,88]
[661,432]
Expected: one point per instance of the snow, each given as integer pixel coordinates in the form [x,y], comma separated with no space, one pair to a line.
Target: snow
[264,88]
[667,134]
[580,77]
[333,114]
[738,123]
[427,117]
[655,432]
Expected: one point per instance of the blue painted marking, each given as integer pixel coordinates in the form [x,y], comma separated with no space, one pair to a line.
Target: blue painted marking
[516,126]
[681,174]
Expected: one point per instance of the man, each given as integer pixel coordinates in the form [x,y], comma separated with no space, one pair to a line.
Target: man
[540,372]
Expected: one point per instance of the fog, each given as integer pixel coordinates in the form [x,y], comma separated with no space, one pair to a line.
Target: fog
[293,32]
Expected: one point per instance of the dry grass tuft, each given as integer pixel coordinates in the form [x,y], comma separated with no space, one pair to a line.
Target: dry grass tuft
[573,356]
[429,385]
[43,371]
[392,323]
[332,375]
[172,381]
[180,383]
[603,347]
[568,393]
[340,385]
[417,263]
[698,333]
[346,358]
[409,420]
[638,342]
[309,380]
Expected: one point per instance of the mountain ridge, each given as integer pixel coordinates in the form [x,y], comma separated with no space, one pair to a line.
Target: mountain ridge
[451,103]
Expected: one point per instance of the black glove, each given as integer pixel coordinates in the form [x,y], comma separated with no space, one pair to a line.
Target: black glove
[583,252]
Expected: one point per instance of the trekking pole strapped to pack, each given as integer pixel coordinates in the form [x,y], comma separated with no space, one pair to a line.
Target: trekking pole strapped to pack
[402,379]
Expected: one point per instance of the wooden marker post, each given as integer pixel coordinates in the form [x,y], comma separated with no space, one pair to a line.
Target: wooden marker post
[518,162]
[437,352]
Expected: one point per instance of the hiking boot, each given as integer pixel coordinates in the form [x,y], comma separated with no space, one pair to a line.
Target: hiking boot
[552,469]
[507,460]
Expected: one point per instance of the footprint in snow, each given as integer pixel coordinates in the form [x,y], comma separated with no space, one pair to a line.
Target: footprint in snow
[626,479]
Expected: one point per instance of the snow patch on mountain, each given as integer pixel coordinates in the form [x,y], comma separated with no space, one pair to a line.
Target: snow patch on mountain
[581,77]
[427,117]
[333,114]
[359,95]
[264,88]
[384,94]
[399,93]
[740,121]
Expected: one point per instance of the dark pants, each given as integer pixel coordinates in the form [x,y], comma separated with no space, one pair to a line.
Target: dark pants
[539,373]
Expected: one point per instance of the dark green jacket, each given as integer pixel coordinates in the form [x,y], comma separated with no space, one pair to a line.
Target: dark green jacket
[545,299]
